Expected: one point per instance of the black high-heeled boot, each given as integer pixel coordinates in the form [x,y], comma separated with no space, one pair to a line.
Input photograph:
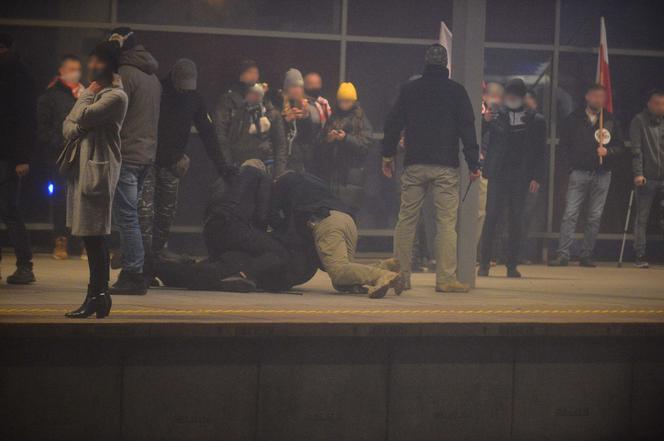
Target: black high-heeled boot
[99,304]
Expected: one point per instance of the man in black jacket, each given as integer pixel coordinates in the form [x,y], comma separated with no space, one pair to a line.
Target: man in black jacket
[306,202]
[181,106]
[18,126]
[236,220]
[646,133]
[590,171]
[515,163]
[434,112]
[53,107]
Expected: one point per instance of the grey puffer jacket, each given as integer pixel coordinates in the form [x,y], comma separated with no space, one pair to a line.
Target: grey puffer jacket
[95,122]
[139,131]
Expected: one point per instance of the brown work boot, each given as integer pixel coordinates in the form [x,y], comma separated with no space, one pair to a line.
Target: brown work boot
[60,249]
[391,264]
[385,283]
[454,286]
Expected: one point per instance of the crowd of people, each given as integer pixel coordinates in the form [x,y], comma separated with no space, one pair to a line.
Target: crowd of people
[290,171]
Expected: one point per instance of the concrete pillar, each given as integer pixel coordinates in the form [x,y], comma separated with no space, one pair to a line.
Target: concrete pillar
[468,69]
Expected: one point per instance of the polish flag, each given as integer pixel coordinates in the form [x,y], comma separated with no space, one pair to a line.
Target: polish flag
[445,40]
[603,74]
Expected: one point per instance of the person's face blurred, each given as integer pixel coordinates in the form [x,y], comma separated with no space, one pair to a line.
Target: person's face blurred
[313,83]
[253,98]
[596,99]
[70,71]
[295,92]
[345,104]
[656,105]
[494,94]
[250,76]
[513,101]
[97,69]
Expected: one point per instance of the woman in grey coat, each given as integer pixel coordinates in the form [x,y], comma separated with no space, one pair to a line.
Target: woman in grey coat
[94,123]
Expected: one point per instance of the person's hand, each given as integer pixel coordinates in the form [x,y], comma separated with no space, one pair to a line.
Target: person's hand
[182,166]
[534,186]
[474,174]
[388,167]
[331,136]
[22,169]
[488,115]
[293,113]
[639,181]
[341,135]
[602,151]
[95,87]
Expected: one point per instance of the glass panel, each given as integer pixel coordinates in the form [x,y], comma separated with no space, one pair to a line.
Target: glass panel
[77,10]
[284,15]
[520,21]
[629,23]
[632,77]
[534,67]
[399,18]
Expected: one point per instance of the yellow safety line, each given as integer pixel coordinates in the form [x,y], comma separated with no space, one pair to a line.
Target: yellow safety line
[147,311]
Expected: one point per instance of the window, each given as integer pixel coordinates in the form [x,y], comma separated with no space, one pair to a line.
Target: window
[520,21]
[399,18]
[322,16]
[71,10]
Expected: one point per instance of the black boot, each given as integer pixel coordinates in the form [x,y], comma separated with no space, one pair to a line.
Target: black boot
[587,262]
[560,261]
[99,304]
[129,284]
[483,271]
[513,272]
[22,276]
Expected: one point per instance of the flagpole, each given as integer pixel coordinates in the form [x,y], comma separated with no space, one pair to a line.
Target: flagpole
[601,134]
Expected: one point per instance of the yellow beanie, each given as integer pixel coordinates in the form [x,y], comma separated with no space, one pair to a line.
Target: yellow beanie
[347,92]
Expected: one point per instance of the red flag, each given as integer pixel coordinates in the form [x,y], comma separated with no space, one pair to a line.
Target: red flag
[603,73]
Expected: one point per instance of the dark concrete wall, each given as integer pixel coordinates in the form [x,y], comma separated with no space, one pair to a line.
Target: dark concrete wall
[151,387]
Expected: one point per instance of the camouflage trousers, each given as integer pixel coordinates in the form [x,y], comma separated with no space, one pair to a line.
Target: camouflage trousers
[157,206]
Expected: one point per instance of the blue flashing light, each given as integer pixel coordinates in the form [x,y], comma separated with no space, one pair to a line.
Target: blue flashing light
[50,188]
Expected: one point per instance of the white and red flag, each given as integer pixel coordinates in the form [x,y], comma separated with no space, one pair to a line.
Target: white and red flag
[603,74]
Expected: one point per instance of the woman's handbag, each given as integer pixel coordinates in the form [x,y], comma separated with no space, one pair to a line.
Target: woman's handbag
[67,162]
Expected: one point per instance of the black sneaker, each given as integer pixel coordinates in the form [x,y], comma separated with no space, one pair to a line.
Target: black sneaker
[587,262]
[560,261]
[641,262]
[483,271]
[129,284]
[22,276]
[237,283]
[513,273]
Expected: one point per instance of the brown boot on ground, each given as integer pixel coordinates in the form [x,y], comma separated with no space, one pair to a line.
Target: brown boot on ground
[385,283]
[60,249]
[391,264]
[454,286]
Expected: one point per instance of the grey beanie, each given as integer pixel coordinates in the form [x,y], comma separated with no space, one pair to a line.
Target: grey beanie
[184,74]
[436,55]
[293,78]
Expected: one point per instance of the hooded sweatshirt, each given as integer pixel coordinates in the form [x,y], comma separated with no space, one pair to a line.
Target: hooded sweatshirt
[139,131]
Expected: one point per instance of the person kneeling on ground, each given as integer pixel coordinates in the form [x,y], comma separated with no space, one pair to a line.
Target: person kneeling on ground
[307,201]
[236,221]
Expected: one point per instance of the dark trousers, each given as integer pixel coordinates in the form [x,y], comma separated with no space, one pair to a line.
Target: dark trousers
[157,207]
[99,262]
[510,195]
[10,214]
[229,234]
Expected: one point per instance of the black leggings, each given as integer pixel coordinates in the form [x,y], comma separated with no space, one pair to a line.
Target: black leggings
[98,261]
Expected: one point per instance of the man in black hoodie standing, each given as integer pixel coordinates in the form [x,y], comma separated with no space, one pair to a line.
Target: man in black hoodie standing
[181,106]
[138,70]
[18,126]
[434,112]
[17,138]
[590,171]
[515,164]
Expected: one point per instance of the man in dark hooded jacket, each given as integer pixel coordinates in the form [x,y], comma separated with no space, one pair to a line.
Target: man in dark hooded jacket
[181,106]
[18,127]
[139,133]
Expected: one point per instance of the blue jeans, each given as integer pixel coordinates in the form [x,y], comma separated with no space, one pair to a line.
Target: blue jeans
[125,215]
[645,197]
[582,184]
